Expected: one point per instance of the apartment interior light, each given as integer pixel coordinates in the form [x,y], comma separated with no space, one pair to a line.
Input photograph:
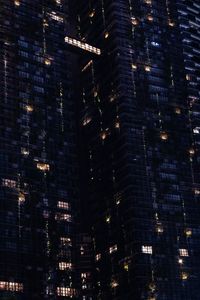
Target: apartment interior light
[81,45]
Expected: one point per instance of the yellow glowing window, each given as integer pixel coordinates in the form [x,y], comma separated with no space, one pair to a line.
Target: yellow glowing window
[43,167]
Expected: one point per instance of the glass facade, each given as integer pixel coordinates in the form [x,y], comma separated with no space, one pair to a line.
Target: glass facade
[38,173]
[99,149]
[140,114]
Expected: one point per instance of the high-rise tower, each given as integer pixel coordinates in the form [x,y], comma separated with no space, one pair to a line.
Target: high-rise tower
[38,173]
[140,126]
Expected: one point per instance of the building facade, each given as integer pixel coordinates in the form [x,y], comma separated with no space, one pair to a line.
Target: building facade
[125,223]
[38,173]
[140,127]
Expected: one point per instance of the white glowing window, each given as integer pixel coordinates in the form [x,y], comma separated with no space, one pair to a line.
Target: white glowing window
[9,183]
[66,241]
[183,252]
[17,2]
[56,17]
[113,249]
[147,249]
[63,217]
[196,130]
[98,257]
[66,292]
[65,266]
[85,275]
[82,45]
[11,286]
[63,205]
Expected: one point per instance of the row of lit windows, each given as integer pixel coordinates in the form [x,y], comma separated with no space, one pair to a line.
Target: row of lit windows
[82,45]
[65,266]
[66,292]
[145,249]
[11,286]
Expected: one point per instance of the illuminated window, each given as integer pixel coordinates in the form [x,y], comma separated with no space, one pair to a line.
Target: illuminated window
[134,67]
[21,197]
[147,249]
[147,68]
[11,286]
[63,217]
[86,121]
[113,249]
[92,13]
[66,292]
[108,219]
[43,167]
[164,136]
[24,151]
[171,23]
[9,183]
[47,62]
[180,261]
[82,250]
[159,228]
[106,34]
[85,275]
[82,45]
[28,108]
[183,252]
[184,276]
[56,17]
[65,266]
[191,151]
[149,18]
[114,284]
[98,257]
[66,241]
[134,21]
[188,232]
[17,2]
[63,205]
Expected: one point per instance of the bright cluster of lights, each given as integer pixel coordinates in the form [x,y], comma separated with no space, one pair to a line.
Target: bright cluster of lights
[82,45]
[11,286]
[65,292]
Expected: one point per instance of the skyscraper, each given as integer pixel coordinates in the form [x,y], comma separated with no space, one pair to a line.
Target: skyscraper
[99,149]
[38,173]
[140,125]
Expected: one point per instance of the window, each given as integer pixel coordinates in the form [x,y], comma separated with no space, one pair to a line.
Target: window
[9,183]
[63,217]
[98,257]
[11,286]
[65,292]
[113,249]
[65,241]
[183,252]
[63,205]
[43,167]
[65,266]
[147,249]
